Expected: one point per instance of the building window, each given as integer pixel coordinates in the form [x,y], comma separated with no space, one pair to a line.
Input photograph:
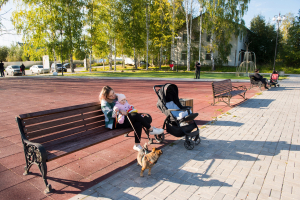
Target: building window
[184,36]
[208,56]
[208,38]
[183,55]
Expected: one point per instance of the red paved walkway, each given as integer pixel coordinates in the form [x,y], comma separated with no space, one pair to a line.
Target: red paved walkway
[76,172]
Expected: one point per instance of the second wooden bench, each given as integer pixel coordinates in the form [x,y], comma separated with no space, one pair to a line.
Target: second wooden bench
[224,91]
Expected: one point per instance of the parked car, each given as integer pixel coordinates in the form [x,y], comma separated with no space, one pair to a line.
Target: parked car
[13,70]
[38,69]
[67,65]
[144,63]
[58,67]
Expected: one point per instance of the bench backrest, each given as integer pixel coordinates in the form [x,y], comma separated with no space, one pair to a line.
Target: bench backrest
[221,87]
[252,78]
[70,121]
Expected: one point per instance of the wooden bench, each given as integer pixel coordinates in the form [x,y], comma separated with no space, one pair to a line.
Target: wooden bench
[50,134]
[224,90]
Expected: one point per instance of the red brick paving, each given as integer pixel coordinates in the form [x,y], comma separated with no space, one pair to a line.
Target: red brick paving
[78,171]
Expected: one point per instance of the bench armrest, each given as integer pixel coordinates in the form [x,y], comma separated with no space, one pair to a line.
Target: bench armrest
[241,87]
[35,151]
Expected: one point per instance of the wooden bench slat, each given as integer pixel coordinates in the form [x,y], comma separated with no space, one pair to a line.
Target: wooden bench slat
[66,148]
[59,122]
[82,134]
[58,110]
[60,135]
[55,115]
[62,128]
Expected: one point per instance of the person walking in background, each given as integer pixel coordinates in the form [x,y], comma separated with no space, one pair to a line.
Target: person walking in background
[2,69]
[197,68]
[22,68]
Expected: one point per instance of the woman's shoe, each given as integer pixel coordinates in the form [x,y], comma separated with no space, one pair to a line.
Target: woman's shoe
[156,131]
[137,147]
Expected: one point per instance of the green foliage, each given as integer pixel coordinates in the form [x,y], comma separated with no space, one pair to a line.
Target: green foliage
[15,53]
[3,53]
[263,40]
[292,47]
[221,19]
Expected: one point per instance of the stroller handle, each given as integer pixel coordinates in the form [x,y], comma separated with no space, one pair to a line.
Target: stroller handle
[155,86]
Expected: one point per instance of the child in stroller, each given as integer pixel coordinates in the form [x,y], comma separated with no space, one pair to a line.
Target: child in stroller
[274,79]
[179,120]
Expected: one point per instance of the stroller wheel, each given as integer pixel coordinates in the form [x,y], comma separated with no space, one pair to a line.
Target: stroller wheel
[197,140]
[189,144]
[160,138]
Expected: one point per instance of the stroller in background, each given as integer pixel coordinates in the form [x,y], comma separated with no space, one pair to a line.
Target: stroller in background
[274,79]
[168,93]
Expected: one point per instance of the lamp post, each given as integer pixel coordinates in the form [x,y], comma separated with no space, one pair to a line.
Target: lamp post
[200,27]
[177,51]
[278,19]
[62,66]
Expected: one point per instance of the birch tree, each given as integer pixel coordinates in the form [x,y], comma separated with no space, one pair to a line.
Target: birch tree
[221,19]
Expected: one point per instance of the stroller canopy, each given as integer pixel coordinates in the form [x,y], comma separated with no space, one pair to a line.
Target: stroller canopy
[167,93]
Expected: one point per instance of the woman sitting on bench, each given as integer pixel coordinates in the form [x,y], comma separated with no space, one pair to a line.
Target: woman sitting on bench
[108,100]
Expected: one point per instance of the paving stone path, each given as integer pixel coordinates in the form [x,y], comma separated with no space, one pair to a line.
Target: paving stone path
[250,152]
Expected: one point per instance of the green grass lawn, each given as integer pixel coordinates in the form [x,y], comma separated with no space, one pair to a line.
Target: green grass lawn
[160,74]
[154,72]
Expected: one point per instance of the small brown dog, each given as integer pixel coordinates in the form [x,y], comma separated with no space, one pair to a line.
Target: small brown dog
[148,160]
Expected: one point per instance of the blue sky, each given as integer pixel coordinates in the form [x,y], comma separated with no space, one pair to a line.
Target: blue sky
[267,8]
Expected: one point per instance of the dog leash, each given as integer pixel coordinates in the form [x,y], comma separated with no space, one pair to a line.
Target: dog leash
[133,129]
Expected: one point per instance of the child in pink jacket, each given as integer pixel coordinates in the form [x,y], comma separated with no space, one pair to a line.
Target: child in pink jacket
[122,104]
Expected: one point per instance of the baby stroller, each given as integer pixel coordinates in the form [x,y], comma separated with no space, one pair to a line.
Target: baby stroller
[274,80]
[179,121]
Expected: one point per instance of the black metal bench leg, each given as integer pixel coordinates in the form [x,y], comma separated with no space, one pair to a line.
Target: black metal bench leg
[43,170]
[27,168]
[213,102]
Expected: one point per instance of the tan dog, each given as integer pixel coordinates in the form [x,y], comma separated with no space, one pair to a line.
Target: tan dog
[147,161]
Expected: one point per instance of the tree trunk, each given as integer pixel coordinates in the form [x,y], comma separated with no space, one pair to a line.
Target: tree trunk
[173,35]
[110,55]
[212,54]
[187,31]
[139,63]
[147,27]
[134,58]
[160,56]
[71,63]
[115,55]
[54,59]
[123,60]
[190,38]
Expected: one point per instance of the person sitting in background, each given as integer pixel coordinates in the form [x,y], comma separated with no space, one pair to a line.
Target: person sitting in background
[259,77]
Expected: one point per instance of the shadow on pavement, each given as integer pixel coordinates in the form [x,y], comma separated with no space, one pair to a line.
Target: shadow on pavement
[257,103]
[179,167]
